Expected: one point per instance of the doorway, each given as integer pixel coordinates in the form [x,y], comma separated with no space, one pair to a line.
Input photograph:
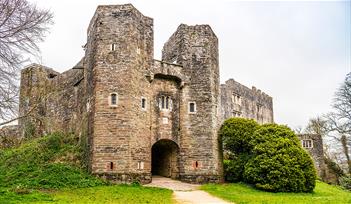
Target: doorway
[165,159]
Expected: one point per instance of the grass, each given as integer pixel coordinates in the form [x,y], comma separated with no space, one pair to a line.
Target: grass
[241,193]
[50,162]
[100,194]
[49,170]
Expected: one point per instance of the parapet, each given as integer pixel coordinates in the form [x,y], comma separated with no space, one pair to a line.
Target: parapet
[253,94]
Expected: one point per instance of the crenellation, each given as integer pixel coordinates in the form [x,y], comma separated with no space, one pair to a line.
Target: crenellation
[240,101]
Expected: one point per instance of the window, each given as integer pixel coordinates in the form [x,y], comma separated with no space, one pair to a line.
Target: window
[113,46]
[113,99]
[167,98]
[165,102]
[140,165]
[236,113]
[111,166]
[192,107]
[143,103]
[307,143]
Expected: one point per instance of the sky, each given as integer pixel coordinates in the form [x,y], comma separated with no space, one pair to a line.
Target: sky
[298,52]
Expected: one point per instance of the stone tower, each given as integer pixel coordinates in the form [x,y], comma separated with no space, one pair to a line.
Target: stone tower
[195,48]
[118,52]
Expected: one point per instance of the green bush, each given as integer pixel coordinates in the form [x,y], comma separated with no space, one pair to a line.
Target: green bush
[234,168]
[236,134]
[279,163]
[268,156]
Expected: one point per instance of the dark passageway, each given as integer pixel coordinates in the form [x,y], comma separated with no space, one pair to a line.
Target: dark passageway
[165,159]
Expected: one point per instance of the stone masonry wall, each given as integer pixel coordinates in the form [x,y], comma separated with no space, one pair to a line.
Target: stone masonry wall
[316,152]
[239,101]
[51,100]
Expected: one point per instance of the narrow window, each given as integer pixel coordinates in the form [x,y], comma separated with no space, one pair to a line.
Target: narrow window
[113,99]
[140,165]
[163,102]
[167,98]
[113,46]
[196,164]
[192,107]
[111,165]
[143,103]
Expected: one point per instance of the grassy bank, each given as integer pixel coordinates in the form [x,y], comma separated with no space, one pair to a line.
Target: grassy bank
[242,193]
[49,170]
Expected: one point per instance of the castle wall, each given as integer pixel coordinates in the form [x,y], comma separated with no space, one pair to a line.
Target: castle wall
[51,100]
[313,144]
[238,100]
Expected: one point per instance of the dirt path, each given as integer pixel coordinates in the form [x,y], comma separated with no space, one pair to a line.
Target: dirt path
[185,193]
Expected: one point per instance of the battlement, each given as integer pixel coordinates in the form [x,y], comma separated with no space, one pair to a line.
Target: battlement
[240,101]
[253,94]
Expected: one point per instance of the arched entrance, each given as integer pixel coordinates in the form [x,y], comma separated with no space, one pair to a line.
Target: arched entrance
[165,159]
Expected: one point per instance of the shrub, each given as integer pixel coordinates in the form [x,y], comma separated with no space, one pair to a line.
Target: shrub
[278,162]
[234,168]
[236,134]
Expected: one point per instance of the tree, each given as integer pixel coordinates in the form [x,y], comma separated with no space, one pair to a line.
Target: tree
[317,126]
[339,121]
[22,27]
[279,163]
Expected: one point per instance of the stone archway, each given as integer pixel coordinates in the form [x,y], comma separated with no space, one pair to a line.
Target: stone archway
[164,158]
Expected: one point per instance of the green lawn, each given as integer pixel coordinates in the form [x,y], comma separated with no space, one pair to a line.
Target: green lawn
[242,193]
[101,194]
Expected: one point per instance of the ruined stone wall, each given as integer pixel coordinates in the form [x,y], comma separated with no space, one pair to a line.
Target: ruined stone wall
[313,144]
[50,100]
[9,136]
[238,100]
[196,49]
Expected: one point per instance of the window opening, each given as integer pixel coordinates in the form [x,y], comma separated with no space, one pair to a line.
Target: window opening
[111,165]
[143,103]
[192,107]
[113,99]
[113,46]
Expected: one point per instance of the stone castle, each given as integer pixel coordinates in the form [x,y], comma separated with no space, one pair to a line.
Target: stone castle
[140,116]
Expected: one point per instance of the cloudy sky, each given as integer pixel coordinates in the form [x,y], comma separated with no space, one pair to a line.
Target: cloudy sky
[297,52]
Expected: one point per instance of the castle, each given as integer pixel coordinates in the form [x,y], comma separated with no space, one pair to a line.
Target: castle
[139,116]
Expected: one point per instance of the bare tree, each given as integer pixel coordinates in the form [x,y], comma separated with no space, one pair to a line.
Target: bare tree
[318,126]
[22,27]
[339,121]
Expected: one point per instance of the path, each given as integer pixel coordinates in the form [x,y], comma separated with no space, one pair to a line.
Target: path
[185,193]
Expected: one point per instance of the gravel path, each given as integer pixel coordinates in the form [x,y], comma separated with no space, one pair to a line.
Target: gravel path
[185,193]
